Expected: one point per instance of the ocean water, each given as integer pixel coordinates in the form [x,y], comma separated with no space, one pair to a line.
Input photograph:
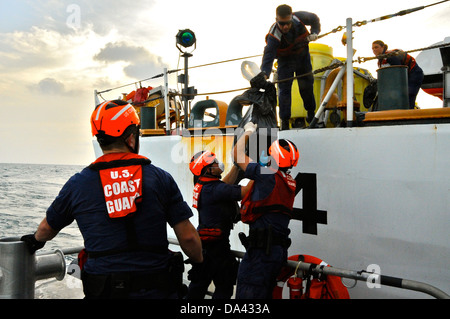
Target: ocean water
[26,191]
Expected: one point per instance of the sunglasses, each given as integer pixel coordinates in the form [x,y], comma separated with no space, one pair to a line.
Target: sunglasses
[283,23]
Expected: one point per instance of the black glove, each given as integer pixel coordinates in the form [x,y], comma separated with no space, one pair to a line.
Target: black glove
[32,243]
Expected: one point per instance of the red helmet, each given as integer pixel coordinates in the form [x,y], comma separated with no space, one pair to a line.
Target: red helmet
[285,153]
[113,117]
[201,160]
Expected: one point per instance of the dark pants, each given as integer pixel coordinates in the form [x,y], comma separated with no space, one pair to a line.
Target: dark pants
[287,68]
[219,266]
[128,286]
[258,272]
[415,79]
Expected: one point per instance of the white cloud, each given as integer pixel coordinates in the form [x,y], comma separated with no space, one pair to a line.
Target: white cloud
[51,86]
[141,63]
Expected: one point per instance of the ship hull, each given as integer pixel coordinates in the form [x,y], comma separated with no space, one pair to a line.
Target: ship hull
[374,198]
[385,193]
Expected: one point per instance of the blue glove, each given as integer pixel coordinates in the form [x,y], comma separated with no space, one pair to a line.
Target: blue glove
[263,159]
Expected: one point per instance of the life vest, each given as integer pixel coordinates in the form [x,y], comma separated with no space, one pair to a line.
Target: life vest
[207,234]
[280,200]
[139,96]
[405,58]
[121,177]
[295,47]
[323,287]
[198,188]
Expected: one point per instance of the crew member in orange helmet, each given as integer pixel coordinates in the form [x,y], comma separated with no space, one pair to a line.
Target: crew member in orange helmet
[122,204]
[267,209]
[215,199]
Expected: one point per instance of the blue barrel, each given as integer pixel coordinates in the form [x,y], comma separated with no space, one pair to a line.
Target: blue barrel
[393,88]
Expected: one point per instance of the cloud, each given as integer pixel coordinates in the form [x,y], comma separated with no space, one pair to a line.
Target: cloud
[51,86]
[140,62]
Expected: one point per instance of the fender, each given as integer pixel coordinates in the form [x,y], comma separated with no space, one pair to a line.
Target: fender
[328,287]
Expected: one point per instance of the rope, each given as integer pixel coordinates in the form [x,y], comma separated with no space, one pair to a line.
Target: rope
[237,59]
[383,56]
[382,18]
[296,268]
[134,83]
[330,67]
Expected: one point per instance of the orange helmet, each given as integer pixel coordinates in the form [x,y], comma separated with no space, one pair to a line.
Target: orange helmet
[285,153]
[201,160]
[112,118]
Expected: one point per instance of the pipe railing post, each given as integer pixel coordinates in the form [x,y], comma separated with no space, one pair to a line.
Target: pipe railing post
[17,266]
[19,270]
[327,97]
[350,79]
[166,101]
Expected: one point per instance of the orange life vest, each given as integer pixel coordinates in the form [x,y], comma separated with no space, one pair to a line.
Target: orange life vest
[121,177]
[280,200]
[325,287]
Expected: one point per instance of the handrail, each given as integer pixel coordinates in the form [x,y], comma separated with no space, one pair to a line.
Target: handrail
[358,275]
[333,271]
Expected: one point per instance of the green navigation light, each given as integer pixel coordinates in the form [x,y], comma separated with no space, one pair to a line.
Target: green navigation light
[186,38]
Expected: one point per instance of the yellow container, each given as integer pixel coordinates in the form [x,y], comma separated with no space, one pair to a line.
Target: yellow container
[321,56]
[360,85]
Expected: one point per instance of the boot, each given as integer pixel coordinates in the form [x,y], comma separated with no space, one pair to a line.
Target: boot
[284,125]
[310,116]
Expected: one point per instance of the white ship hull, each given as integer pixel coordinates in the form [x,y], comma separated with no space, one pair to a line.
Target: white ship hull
[386,194]
[382,199]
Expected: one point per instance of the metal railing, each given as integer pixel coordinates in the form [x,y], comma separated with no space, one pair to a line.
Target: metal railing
[358,275]
[19,270]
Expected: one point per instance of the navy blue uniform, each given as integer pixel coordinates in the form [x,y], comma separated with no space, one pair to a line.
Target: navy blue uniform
[297,63]
[217,209]
[82,199]
[258,270]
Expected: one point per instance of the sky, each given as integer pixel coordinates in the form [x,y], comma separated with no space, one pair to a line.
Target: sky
[55,53]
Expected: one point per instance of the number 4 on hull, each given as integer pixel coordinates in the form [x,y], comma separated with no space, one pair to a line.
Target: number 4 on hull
[309,215]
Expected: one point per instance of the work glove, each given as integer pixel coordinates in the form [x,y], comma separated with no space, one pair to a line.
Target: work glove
[250,127]
[312,37]
[197,270]
[31,243]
